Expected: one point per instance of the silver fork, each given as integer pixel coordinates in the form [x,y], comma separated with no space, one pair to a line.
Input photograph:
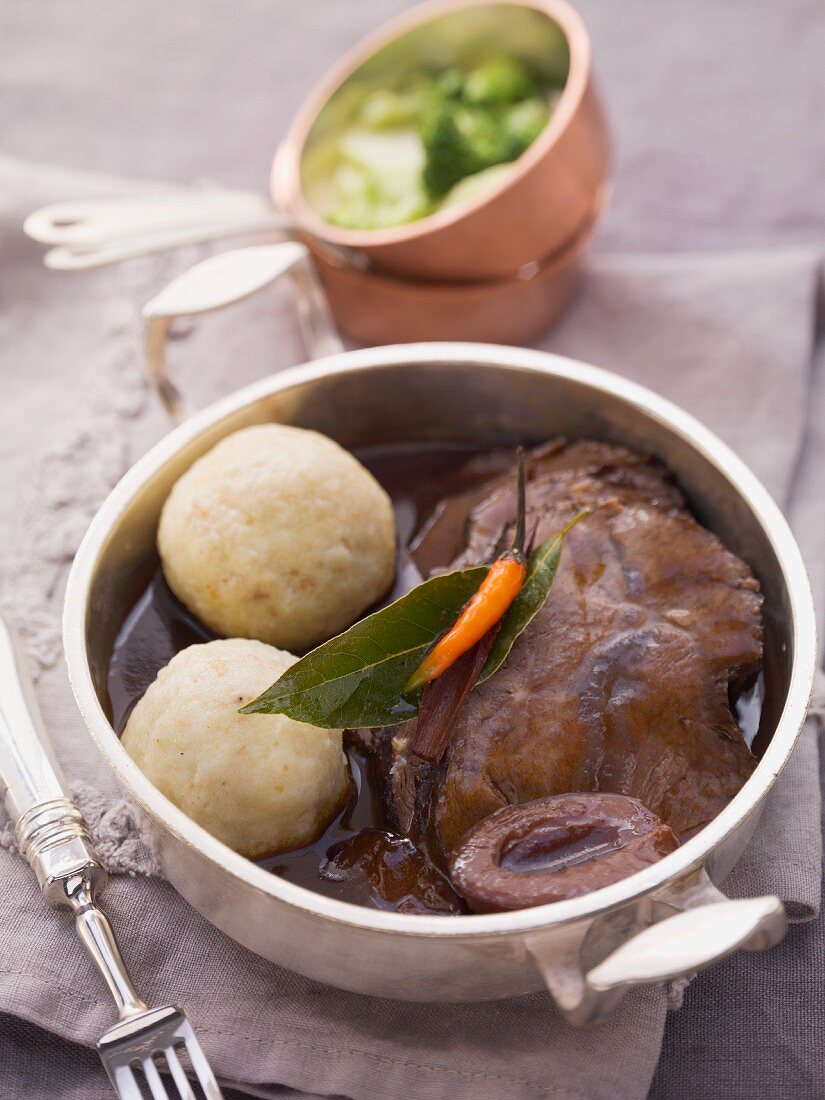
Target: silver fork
[52,834]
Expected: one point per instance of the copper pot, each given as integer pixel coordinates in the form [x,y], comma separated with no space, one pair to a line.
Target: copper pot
[541,207]
[374,308]
[499,268]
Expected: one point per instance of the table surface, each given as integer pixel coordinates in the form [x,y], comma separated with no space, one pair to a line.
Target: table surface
[718,109]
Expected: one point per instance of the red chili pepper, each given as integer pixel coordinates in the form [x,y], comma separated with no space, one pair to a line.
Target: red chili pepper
[485,608]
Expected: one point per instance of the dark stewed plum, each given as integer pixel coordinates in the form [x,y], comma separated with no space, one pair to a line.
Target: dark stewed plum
[556,848]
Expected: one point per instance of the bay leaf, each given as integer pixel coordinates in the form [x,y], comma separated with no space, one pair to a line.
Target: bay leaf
[357,678]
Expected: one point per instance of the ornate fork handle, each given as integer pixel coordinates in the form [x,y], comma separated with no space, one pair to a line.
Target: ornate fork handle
[54,839]
[50,830]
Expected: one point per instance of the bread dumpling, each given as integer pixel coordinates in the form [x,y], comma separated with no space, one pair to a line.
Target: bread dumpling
[278,534]
[261,783]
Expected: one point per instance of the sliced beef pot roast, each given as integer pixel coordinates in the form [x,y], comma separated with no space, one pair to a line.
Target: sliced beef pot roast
[623,681]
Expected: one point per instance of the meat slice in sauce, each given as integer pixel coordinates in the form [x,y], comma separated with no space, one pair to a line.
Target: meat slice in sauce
[622,682]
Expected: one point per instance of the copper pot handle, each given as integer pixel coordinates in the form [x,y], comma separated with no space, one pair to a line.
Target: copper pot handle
[223,280]
[693,926]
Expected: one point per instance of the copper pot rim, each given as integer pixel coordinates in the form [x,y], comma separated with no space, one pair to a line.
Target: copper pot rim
[685,859]
[286,177]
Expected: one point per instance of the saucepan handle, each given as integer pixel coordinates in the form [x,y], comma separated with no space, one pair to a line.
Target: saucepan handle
[89,233]
[704,926]
[223,280]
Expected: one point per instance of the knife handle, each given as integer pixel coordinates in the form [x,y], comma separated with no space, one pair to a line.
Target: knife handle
[50,830]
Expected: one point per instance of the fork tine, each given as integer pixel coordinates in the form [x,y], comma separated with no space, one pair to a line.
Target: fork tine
[178,1076]
[125,1083]
[203,1071]
[156,1086]
[154,1033]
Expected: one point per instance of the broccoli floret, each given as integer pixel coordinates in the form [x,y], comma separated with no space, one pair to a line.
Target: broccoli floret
[460,141]
[525,121]
[487,136]
[451,83]
[499,80]
[449,156]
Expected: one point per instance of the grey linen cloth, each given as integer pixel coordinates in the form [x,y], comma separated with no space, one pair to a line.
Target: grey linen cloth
[729,337]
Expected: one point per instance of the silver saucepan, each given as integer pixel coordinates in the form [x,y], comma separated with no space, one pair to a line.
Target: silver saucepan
[663,922]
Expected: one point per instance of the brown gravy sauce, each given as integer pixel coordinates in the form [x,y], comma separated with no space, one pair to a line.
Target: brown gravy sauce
[418,478]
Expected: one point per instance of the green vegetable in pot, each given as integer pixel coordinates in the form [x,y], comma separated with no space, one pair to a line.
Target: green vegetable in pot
[387,107]
[451,83]
[460,141]
[399,152]
[448,153]
[499,80]
[524,121]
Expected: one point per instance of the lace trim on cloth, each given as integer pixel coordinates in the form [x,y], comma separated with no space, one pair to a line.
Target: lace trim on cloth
[121,844]
[69,481]
[73,477]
